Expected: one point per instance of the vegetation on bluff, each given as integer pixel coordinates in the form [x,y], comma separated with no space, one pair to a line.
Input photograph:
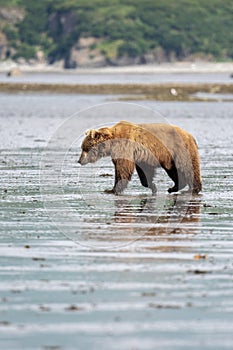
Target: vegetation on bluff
[166,29]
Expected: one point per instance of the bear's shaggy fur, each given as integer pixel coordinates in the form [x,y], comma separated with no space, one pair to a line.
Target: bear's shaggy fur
[145,147]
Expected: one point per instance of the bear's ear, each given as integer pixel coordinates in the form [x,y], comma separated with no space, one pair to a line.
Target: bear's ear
[103,133]
[91,133]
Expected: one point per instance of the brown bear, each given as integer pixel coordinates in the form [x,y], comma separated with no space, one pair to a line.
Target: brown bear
[145,147]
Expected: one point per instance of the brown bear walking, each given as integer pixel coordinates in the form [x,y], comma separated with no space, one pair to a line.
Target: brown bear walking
[145,147]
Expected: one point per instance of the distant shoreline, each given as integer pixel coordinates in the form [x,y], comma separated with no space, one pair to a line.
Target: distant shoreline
[177,67]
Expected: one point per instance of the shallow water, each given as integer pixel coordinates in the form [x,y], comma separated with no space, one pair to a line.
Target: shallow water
[82,269]
[119,78]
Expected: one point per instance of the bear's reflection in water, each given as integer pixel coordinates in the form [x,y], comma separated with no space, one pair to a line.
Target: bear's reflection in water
[151,222]
[155,216]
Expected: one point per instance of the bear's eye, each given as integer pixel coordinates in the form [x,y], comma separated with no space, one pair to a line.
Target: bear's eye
[88,148]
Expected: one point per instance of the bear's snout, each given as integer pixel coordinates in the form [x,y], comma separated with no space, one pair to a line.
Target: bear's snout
[83,159]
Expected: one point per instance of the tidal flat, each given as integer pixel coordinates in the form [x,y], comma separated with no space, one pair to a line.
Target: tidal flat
[80,269]
[130,91]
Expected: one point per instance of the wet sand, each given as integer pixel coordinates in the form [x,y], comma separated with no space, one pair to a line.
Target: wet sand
[127,272]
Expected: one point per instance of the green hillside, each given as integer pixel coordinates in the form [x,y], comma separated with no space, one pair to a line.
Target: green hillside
[139,30]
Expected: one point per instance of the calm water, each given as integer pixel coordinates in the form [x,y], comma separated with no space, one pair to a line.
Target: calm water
[83,270]
[120,78]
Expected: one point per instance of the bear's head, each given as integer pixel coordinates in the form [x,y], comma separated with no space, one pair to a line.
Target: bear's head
[95,145]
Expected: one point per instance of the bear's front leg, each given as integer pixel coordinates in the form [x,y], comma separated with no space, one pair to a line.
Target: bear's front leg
[123,173]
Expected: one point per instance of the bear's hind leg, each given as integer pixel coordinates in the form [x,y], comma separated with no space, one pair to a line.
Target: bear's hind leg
[178,178]
[196,187]
[146,174]
[172,173]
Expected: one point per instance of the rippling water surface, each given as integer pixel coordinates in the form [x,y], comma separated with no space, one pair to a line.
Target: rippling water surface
[82,269]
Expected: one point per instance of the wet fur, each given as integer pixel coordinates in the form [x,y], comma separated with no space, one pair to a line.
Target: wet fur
[145,147]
